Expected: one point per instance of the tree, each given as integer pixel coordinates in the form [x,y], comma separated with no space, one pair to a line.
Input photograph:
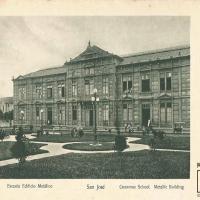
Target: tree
[2,135]
[20,149]
[120,143]
[8,116]
[1,115]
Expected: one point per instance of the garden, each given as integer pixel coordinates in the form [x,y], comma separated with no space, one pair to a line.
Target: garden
[141,164]
[127,165]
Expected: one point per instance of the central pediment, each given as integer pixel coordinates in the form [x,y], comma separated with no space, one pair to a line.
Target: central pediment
[92,52]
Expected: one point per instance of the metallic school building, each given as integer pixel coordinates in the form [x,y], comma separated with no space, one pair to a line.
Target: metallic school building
[131,89]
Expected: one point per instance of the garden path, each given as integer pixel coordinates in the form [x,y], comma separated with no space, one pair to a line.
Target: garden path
[55,149]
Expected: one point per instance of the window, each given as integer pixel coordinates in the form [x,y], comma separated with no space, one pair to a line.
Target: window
[127,112]
[105,115]
[146,82]
[168,80]
[105,85]
[22,93]
[49,92]
[127,84]
[74,88]
[169,112]
[89,87]
[61,90]
[166,112]
[74,112]
[89,71]
[38,91]
[61,114]
[162,83]
[37,113]
[162,113]
[165,81]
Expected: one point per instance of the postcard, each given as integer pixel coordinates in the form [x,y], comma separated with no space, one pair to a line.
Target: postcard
[99,100]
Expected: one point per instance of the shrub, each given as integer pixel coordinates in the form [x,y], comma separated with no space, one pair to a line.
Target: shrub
[120,142]
[81,133]
[2,135]
[31,128]
[20,148]
[19,151]
[158,134]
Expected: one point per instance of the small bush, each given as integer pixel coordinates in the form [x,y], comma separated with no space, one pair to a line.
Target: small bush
[158,134]
[2,135]
[19,149]
[120,142]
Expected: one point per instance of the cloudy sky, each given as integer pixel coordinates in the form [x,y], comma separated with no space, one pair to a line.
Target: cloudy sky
[32,43]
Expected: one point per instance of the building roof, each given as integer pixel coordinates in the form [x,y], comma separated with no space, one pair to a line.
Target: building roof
[159,54]
[92,52]
[45,72]
[6,100]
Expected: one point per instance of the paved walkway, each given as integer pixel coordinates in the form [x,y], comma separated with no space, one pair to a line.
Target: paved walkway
[55,149]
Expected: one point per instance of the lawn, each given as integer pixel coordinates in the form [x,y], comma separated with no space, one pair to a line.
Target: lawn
[5,152]
[169,142]
[68,138]
[87,146]
[127,165]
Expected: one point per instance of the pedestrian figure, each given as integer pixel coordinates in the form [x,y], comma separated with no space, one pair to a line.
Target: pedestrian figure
[80,132]
[144,130]
[72,132]
[153,144]
[126,125]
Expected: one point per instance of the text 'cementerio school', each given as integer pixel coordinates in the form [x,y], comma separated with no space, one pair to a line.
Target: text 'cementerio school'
[133,89]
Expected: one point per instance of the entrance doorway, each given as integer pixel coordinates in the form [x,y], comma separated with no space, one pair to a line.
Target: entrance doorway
[91,118]
[49,116]
[145,114]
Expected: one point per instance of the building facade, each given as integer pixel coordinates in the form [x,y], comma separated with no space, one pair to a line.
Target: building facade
[6,104]
[132,89]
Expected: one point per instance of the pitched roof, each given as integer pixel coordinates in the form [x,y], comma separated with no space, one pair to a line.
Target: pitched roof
[159,54]
[6,100]
[92,52]
[96,52]
[45,72]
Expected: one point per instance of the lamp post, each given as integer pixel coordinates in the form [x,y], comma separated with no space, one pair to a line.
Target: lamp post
[95,98]
[22,116]
[41,114]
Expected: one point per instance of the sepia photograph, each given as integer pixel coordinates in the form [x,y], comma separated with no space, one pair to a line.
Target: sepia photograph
[95,97]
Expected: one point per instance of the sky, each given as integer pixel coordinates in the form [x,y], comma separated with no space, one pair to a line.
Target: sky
[28,44]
